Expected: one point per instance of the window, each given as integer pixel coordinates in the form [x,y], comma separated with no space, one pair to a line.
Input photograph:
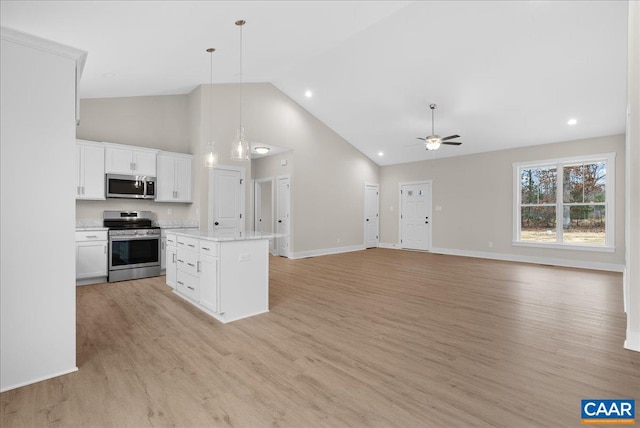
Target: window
[565,203]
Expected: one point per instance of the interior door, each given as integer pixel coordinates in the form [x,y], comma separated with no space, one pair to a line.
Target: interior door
[227,194]
[371,216]
[284,216]
[415,216]
[257,207]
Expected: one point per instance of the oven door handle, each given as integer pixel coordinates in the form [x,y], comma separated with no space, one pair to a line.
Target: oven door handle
[133,237]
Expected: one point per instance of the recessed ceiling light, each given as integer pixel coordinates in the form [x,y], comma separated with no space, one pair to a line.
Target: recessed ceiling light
[380,153]
[308,94]
[261,150]
[572,122]
[108,75]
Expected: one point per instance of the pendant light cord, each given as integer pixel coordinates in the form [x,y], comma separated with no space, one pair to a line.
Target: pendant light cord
[241,25]
[211,98]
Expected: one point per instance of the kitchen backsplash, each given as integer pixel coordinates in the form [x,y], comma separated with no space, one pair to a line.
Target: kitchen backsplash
[165,224]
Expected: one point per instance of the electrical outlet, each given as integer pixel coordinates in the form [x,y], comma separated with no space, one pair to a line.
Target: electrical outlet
[490,244]
[438,208]
[338,240]
[169,211]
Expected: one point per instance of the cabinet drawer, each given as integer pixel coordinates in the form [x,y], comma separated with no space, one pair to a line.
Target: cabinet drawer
[171,240]
[187,261]
[91,235]
[188,243]
[188,285]
[208,248]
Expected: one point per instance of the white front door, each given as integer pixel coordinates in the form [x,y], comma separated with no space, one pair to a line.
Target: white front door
[226,202]
[415,213]
[284,216]
[371,217]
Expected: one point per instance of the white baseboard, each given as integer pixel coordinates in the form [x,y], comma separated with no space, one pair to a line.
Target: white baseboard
[326,251]
[633,341]
[389,246]
[40,379]
[581,264]
[611,267]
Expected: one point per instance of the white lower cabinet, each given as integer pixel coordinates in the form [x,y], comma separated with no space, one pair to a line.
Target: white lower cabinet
[91,257]
[188,285]
[209,276]
[171,268]
[196,273]
[226,278]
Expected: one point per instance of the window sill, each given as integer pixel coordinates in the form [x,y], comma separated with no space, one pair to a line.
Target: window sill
[600,249]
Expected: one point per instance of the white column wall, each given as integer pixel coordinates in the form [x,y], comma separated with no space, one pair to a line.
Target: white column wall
[632,272]
[37,249]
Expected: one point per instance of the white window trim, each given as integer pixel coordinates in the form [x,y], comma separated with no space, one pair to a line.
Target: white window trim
[610,159]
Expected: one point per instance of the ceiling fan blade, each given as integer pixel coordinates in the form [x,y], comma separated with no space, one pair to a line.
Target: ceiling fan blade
[420,138]
[450,137]
[451,143]
[414,145]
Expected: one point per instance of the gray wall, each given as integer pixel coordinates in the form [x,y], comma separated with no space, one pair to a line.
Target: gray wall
[476,196]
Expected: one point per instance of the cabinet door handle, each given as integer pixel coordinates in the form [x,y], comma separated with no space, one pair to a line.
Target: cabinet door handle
[206,249]
[191,288]
[78,190]
[162,245]
[198,266]
[191,245]
[92,236]
[173,258]
[180,282]
[191,264]
[180,261]
[105,249]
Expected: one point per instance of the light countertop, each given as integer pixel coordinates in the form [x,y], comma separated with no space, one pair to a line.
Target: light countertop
[217,237]
[91,228]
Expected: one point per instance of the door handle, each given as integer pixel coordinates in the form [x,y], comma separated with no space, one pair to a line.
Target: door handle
[367,219]
[216,223]
[279,221]
[426,222]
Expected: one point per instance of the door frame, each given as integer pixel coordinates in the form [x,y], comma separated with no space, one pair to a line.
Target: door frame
[252,208]
[243,194]
[290,248]
[429,212]
[364,238]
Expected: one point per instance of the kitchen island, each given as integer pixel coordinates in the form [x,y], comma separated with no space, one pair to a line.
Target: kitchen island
[225,276]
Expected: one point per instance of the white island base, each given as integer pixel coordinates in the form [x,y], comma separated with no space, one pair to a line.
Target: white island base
[228,278]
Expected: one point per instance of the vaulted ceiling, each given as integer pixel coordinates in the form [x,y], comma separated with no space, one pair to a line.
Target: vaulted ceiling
[504,74]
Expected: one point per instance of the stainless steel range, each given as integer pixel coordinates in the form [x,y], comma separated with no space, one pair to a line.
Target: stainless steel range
[134,245]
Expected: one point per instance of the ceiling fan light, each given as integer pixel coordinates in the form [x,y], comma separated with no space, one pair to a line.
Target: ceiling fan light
[433,142]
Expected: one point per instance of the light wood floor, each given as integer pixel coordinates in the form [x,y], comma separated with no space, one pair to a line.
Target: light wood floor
[376,338]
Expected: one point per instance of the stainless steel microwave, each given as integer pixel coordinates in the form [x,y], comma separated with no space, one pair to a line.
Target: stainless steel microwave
[131,186]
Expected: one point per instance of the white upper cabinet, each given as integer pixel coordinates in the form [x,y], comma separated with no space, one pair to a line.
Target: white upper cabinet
[174,182]
[89,170]
[129,160]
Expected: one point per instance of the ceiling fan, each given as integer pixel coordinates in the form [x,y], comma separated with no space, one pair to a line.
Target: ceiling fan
[434,141]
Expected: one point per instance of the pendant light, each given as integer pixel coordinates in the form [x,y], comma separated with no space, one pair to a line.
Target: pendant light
[240,146]
[210,156]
